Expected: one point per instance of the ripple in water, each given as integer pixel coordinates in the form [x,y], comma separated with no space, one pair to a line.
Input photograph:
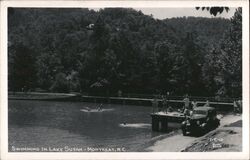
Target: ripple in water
[44,124]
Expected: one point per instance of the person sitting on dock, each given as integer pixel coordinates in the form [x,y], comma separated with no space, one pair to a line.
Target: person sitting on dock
[207,104]
[194,104]
[186,112]
[237,106]
[170,109]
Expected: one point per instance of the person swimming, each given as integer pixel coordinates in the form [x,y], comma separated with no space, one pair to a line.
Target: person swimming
[87,108]
[100,107]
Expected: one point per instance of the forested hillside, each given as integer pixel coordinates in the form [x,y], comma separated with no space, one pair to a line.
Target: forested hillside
[81,50]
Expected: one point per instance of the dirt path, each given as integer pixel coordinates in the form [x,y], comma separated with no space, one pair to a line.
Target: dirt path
[171,144]
[230,118]
[179,142]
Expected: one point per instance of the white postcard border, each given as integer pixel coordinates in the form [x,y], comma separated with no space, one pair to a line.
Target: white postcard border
[130,155]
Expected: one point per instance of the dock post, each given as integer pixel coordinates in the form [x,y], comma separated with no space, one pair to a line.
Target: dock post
[159,123]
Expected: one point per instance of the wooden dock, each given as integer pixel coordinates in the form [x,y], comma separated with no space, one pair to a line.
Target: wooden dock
[162,121]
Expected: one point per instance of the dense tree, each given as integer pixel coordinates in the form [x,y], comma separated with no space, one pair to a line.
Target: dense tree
[61,83]
[231,57]
[82,50]
[22,69]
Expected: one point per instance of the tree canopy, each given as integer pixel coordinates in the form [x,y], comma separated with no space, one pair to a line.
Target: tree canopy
[101,52]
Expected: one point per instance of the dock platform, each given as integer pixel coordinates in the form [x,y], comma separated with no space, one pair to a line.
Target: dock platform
[162,121]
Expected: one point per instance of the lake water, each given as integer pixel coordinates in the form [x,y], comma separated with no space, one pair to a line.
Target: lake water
[49,126]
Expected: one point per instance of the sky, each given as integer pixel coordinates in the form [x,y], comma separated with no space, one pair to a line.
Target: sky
[163,13]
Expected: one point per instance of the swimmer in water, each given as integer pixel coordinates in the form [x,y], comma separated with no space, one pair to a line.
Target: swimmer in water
[100,107]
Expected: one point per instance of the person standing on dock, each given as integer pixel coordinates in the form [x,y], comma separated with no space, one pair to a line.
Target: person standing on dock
[239,102]
[186,102]
[119,93]
[155,104]
[186,109]
[164,103]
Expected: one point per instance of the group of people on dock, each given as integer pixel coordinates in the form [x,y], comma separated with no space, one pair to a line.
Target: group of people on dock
[187,109]
[165,107]
[188,106]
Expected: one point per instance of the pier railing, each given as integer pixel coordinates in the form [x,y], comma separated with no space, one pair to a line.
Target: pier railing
[128,99]
[131,95]
[170,97]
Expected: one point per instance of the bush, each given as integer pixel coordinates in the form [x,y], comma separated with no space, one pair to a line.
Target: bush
[61,84]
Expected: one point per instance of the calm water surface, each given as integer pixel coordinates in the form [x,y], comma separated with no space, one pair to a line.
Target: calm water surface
[60,124]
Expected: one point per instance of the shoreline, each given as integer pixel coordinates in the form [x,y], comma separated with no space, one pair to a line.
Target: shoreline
[77,97]
[151,142]
[39,96]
